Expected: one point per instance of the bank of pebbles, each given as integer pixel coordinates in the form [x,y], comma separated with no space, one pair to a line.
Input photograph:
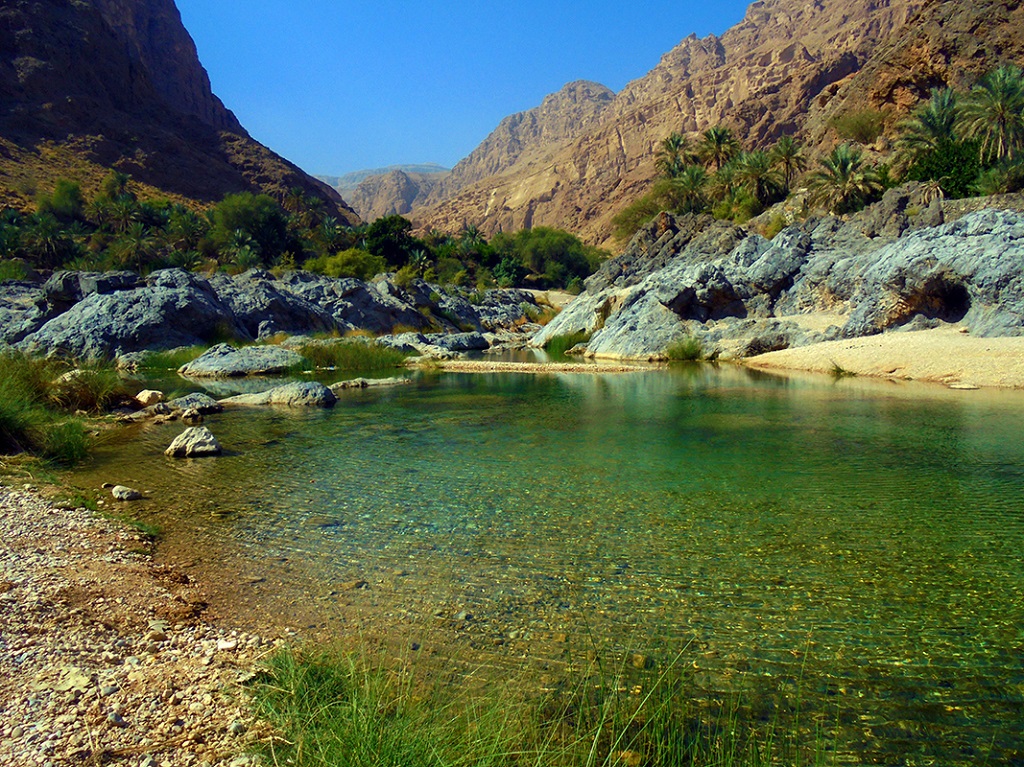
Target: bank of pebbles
[103,659]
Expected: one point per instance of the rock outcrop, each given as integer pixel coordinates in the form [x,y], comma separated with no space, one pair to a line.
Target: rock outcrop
[87,315]
[742,295]
[99,84]
[396,192]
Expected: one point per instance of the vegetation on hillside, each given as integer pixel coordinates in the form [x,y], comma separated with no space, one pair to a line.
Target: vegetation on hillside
[117,230]
[958,143]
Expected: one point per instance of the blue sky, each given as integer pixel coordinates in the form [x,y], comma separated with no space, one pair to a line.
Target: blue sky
[342,85]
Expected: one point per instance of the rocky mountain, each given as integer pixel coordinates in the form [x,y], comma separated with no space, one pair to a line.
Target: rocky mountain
[529,136]
[395,192]
[348,182]
[786,68]
[91,85]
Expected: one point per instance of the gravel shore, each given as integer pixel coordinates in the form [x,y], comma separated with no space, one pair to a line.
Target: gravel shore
[103,655]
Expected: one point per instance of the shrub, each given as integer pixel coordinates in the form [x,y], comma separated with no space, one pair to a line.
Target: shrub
[360,264]
[559,345]
[634,216]
[862,126]
[686,349]
[12,269]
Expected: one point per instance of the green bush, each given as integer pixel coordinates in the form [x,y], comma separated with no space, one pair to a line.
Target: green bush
[862,126]
[559,345]
[686,349]
[360,264]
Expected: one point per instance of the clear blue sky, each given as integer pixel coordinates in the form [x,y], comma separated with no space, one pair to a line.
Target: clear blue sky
[342,85]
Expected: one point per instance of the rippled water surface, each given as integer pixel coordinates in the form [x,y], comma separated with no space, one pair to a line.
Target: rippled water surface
[855,546]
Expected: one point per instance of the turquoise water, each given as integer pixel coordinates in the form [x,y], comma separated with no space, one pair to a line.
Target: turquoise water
[852,548]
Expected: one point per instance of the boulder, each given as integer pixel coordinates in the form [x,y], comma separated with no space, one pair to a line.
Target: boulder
[201,403]
[122,493]
[369,383]
[298,394]
[174,308]
[148,397]
[265,307]
[194,442]
[226,361]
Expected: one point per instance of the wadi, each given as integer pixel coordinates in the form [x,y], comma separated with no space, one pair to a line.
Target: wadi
[674,424]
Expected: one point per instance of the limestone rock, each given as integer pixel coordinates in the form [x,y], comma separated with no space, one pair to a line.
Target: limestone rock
[122,493]
[201,403]
[148,397]
[226,361]
[195,441]
[369,383]
[298,394]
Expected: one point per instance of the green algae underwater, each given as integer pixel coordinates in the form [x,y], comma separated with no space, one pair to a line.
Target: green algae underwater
[850,549]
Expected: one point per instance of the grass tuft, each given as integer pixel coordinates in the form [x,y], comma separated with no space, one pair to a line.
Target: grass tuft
[686,349]
[331,708]
[559,345]
[352,355]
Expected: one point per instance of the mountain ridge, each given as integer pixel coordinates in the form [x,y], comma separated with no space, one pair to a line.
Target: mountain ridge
[99,85]
[786,69]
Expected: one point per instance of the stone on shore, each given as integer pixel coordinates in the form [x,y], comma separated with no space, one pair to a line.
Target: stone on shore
[195,441]
[226,361]
[298,394]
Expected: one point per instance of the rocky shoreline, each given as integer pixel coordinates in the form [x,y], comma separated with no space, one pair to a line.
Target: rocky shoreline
[105,655]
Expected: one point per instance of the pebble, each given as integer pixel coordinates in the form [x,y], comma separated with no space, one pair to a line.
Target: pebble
[66,690]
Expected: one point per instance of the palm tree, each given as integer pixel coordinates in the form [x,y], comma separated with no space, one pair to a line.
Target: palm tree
[674,154]
[136,246]
[717,146]
[845,182]
[993,113]
[929,125]
[723,182]
[788,159]
[755,175]
[690,189]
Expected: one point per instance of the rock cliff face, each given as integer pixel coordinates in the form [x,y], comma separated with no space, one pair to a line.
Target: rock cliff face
[895,266]
[530,136]
[787,68]
[395,192]
[91,85]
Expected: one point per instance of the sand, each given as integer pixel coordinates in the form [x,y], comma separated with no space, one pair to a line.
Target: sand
[946,355]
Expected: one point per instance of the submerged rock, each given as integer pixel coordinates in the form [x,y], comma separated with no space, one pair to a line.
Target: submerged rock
[369,383]
[298,394]
[195,441]
[226,361]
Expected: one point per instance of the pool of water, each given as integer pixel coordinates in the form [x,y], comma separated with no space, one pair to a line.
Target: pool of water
[854,547]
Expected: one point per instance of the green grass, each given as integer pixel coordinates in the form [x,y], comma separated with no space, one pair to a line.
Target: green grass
[171,359]
[838,371]
[36,408]
[331,708]
[352,355]
[12,269]
[686,349]
[559,345]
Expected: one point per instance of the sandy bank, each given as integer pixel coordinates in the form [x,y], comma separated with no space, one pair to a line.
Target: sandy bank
[536,368]
[942,355]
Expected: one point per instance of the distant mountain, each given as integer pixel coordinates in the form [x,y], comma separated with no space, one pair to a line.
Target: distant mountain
[787,68]
[351,180]
[93,85]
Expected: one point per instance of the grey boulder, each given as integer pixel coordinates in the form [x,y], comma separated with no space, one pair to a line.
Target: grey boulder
[298,394]
[195,441]
[226,361]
